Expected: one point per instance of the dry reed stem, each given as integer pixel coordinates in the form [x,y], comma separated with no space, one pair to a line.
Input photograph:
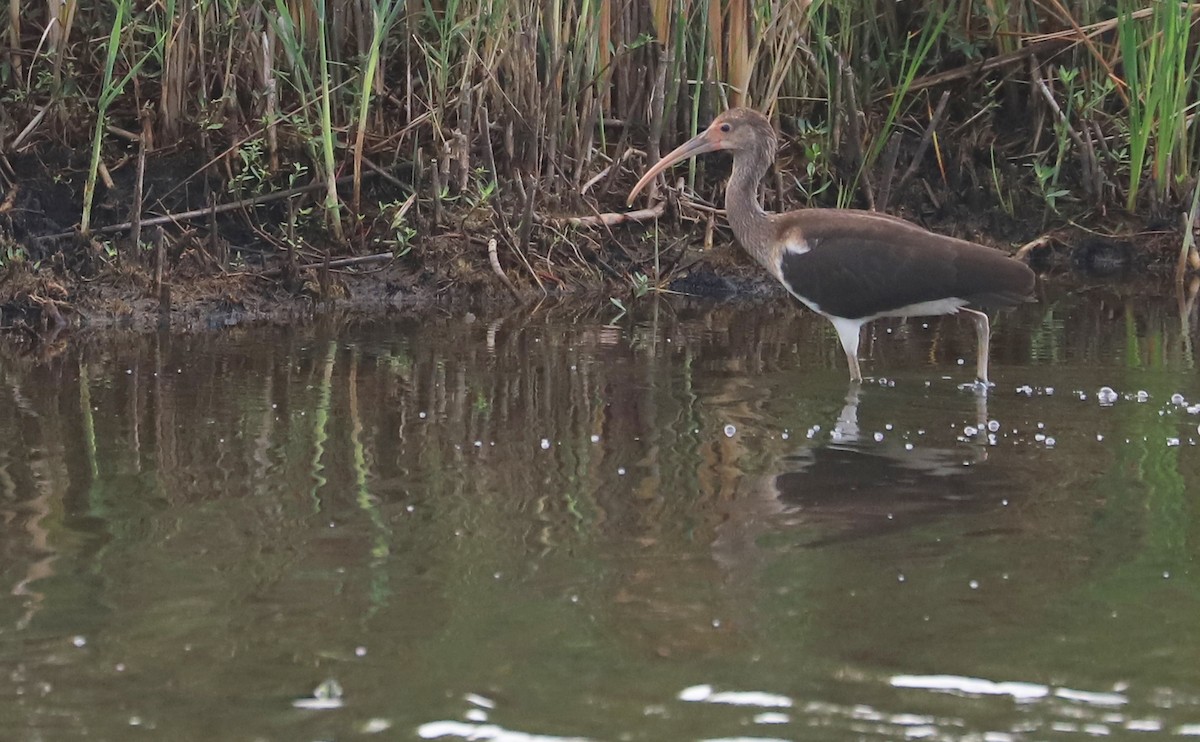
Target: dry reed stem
[608,219]
[143,146]
[14,36]
[926,138]
[271,102]
[494,260]
[1188,255]
[739,52]
[1037,243]
[197,213]
[1091,167]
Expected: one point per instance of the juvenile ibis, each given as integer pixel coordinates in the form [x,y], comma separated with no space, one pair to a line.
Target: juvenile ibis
[849,265]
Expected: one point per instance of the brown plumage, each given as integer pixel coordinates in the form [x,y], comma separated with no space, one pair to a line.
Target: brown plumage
[849,265]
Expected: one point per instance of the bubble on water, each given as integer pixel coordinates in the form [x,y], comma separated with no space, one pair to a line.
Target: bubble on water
[878,437]
[595,438]
[908,446]
[1142,395]
[785,435]
[1040,437]
[1041,426]
[974,584]
[993,425]
[1193,409]
[887,426]
[421,415]
[970,431]
[79,641]
[1106,396]
[1166,575]
[1049,391]
[360,651]
[716,623]
[961,362]
[1026,390]
[900,577]
[991,439]
[376,725]
[1004,502]
[478,444]
[1171,442]
[1099,436]
[1177,399]
[620,471]
[480,701]
[1082,396]
[1050,442]
[730,431]
[545,444]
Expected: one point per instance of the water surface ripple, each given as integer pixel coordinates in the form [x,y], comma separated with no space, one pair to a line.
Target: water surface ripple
[563,524]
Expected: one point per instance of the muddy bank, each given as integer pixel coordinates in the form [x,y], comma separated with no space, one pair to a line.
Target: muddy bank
[267,260]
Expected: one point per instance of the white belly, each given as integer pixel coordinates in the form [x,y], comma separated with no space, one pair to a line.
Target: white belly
[920,309]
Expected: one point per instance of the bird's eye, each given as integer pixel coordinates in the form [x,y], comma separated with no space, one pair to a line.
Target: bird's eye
[725,128]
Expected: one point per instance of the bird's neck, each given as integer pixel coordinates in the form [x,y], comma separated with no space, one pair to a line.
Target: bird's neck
[751,225]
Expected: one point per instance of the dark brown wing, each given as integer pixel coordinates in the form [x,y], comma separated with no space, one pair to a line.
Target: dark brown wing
[860,265]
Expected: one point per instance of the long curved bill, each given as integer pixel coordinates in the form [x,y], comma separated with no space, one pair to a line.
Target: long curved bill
[697,145]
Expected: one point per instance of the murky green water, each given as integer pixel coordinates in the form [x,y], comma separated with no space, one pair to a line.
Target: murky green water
[678,524]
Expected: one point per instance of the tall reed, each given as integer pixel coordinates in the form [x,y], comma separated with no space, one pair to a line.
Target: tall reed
[109,92]
[1160,70]
[532,99]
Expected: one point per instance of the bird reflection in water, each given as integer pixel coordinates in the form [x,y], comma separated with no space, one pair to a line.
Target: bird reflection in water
[855,487]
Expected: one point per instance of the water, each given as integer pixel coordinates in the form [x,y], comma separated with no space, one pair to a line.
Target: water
[681,523]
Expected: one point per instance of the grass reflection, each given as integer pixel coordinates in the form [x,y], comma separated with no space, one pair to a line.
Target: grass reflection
[583,519]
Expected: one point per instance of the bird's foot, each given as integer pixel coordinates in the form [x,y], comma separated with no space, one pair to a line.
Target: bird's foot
[979,386]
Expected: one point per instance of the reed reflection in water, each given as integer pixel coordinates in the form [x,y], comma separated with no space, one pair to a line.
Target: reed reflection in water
[580,518]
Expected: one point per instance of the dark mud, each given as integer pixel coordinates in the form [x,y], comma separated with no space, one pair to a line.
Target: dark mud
[233,267]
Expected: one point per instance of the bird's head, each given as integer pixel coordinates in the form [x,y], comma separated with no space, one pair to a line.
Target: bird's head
[736,130]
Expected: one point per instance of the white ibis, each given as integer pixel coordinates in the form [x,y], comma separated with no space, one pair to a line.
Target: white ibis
[848,265]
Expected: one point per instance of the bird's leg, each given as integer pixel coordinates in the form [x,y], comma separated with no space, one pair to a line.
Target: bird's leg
[848,332]
[983,335]
[845,430]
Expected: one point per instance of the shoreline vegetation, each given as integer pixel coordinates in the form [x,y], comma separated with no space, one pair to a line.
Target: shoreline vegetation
[249,151]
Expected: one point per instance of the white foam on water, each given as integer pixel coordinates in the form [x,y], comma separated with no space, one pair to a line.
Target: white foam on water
[439,729]
[706,694]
